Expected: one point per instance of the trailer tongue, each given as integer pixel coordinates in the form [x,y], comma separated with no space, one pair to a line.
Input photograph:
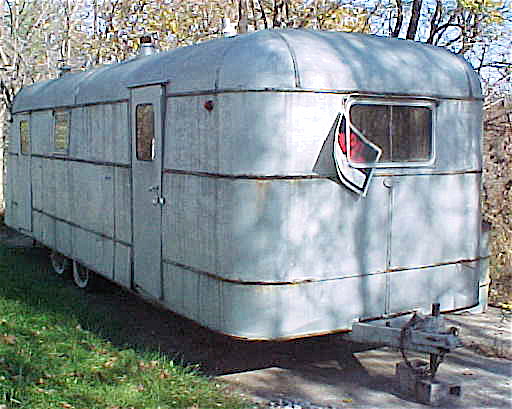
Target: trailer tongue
[421,333]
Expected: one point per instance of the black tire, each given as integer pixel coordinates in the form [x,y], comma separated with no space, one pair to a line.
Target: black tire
[82,276]
[60,264]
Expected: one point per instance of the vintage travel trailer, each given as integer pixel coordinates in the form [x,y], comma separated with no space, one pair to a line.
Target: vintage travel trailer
[272,185]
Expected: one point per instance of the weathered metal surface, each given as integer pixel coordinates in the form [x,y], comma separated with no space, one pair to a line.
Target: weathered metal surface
[19,194]
[94,199]
[434,209]
[122,204]
[122,265]
[276,230]
[147,185]
[283,59]
[256,236]
[93,251]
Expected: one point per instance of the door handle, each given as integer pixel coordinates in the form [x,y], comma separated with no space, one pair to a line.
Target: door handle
[154,188]
[159,200]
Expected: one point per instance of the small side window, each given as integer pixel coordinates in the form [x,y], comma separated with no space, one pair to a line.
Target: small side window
[25,137]
[403,131]
[61,131]
[145,137]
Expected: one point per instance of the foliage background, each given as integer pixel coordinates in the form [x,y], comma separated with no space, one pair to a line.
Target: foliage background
[39,37]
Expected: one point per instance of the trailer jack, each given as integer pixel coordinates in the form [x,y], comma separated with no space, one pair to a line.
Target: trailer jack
[425,334]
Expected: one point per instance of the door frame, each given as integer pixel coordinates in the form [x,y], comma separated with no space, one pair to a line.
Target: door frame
[147,199]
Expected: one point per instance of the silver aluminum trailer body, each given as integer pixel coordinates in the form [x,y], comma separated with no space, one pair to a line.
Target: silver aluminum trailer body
[233,215]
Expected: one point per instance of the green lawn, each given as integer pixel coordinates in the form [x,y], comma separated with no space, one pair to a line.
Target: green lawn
[48,360]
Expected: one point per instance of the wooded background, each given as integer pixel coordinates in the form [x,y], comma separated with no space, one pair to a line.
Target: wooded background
[38,38]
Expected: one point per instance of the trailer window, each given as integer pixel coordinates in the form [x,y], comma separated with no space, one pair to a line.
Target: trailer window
[404,133]
[25,137]
[61,131]
[145,124]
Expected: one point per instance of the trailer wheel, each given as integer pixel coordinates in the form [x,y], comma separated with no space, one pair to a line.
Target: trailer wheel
[60,263]
[82,276]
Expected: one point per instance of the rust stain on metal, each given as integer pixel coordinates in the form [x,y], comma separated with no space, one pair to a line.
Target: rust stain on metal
[308,281]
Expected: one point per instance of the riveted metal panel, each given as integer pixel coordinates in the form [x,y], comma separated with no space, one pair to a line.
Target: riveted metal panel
[190,221]
[278,230]
[193,295]
[454,286]
[251,133]
[269,312]
[94,200]
[173,294]
[80,139]
[63,189]
[9,192]
[436,219]
[355,61]
[49,187]
[120,133]
[273,69]
[458,135]
[63,238]
[37,183]
[42,124]
[271,59]
[47,230]
[123,265]
[13,143]
[94,251]
[123,197]
[37,227]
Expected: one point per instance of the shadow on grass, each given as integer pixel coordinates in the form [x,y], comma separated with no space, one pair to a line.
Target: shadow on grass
[128,321]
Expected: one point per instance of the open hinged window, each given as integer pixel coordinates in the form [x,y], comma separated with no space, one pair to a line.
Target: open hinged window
[61,126]
[374,133]
[402,129]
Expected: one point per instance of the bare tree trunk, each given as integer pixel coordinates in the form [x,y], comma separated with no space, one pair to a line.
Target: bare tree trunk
[399,19]
[415,18]
[243,23]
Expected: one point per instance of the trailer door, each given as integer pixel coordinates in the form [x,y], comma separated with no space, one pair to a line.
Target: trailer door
[147,136]
[21,189]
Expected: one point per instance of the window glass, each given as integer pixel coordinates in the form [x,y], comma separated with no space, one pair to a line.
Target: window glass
[145,124]
[25,137]
[411,130]
[61,131]
[373,122]
[404,133]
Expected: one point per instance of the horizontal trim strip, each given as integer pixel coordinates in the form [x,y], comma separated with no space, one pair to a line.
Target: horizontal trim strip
[102,235]
[307,281]
[117,101]
[359,93]
[434,173]
[242,176]
[305,176]
[92,162]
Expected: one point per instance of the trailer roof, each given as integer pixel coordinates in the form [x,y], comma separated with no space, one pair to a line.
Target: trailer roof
[271,59]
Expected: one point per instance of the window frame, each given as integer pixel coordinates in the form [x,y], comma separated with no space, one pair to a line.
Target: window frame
[28,150]
[422,103]
[56,150]
[153,139]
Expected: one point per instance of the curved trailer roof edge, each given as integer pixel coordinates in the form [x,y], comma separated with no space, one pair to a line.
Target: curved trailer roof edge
[271,59]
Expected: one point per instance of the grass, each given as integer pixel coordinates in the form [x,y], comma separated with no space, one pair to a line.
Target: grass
[48,360]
